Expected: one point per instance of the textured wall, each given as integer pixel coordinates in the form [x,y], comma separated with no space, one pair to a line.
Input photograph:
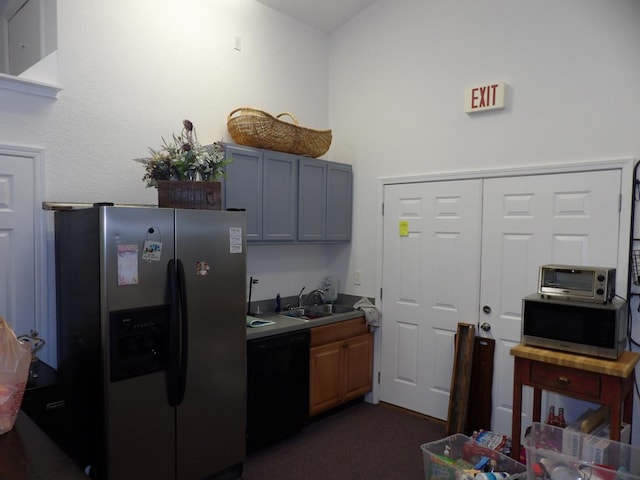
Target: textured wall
[132,71]
[398,74]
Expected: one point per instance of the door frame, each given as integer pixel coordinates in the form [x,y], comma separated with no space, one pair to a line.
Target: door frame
[625,165]
[43,276]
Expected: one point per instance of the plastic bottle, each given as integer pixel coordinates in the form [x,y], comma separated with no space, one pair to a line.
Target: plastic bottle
[278,305]
[492,476]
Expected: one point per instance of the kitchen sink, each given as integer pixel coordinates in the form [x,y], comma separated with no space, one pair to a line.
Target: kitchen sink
[331,309]
[304,313]
[317,311]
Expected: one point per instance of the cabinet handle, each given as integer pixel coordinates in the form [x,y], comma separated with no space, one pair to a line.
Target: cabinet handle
[564,380]
[345,345]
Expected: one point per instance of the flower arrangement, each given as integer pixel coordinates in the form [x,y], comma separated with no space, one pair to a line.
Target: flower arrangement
[184,158]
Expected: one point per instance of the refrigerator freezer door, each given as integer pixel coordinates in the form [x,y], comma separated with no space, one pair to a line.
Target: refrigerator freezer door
[211,419]
[137,245]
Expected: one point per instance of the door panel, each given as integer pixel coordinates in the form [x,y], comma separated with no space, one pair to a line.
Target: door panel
[137,411]
[214,404]
[17,244]
[568,218]
[427,288]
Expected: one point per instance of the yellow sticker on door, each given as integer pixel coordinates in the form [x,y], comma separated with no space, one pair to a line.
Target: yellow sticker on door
[403,228]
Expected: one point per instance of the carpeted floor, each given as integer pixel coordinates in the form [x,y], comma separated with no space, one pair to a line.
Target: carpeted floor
[361,442]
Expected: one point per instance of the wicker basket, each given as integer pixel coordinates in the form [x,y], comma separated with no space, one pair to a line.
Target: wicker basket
[255,128]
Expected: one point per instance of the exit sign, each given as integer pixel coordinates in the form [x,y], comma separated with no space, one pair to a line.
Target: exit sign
[485,97]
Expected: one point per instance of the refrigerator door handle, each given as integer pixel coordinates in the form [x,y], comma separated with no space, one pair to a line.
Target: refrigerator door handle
[184,337]
[174,335]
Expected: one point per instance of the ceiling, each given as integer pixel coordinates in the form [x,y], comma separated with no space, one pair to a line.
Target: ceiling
[325,15]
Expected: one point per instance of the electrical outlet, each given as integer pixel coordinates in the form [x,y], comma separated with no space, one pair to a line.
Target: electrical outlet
[357,277]
[237,43]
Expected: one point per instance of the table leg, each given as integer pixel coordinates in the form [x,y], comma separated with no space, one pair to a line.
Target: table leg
[516,415]
[537,405]
[616,413]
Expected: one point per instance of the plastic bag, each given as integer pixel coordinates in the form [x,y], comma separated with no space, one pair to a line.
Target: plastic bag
[15,359]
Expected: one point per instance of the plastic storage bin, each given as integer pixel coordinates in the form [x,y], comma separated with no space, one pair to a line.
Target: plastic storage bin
[450,459]
[585,457]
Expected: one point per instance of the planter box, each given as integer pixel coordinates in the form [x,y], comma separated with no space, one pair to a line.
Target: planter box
[197,195]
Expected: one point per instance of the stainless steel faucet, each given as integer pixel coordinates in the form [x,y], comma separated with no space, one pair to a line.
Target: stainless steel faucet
[300,297]
[318,291]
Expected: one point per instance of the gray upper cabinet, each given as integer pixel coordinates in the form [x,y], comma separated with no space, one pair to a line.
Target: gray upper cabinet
[312,200]
[339,201]
[243,187]
[280,189]
[325,191]
[289,198]
[265,184]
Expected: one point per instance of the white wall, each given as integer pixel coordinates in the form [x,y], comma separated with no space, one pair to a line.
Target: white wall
[132,71]
[392,94]
[398,73]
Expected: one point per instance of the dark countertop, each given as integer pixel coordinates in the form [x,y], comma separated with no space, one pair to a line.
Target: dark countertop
[286,324]
[29,454]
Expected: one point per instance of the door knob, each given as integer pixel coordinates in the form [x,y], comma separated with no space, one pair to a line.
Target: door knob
[486,309]
[485,327]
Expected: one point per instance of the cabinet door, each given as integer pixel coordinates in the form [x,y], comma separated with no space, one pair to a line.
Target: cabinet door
[325,381]
[280,192]
[243,187]
[312,200]
[339,201]
[358,366]
[24,37]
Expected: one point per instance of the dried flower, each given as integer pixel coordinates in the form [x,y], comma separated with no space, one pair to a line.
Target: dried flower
[184,158]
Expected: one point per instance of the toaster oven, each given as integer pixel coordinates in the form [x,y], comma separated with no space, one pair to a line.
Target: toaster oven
[574,282]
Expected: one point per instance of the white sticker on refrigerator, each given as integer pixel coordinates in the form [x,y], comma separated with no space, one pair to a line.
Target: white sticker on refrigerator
[127,264]
[235,240]
[152,251]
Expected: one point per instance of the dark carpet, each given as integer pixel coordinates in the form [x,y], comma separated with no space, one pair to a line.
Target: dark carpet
[363,441]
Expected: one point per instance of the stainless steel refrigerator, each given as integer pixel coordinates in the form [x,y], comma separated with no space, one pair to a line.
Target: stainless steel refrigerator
[151,341]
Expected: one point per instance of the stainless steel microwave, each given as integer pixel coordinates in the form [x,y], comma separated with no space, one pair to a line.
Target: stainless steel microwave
[599,330]
[577,282]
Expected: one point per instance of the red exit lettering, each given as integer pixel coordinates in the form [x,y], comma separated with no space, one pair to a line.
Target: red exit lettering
[483,96]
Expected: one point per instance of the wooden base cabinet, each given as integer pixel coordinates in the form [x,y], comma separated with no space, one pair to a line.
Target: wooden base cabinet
[341,364]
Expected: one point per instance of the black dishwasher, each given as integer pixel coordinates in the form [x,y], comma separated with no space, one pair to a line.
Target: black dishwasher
[277,387]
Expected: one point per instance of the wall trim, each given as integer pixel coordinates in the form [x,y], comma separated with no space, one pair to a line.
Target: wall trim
[31,87]
[583,166]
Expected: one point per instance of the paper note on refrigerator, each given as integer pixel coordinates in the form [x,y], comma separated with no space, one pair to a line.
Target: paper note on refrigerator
[127,264]
[235,240]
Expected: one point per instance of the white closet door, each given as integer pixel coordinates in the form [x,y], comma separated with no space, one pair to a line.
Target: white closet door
[17,244]
[570,218]
[430,283]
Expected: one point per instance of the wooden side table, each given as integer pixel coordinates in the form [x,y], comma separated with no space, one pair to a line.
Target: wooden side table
[607,382]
